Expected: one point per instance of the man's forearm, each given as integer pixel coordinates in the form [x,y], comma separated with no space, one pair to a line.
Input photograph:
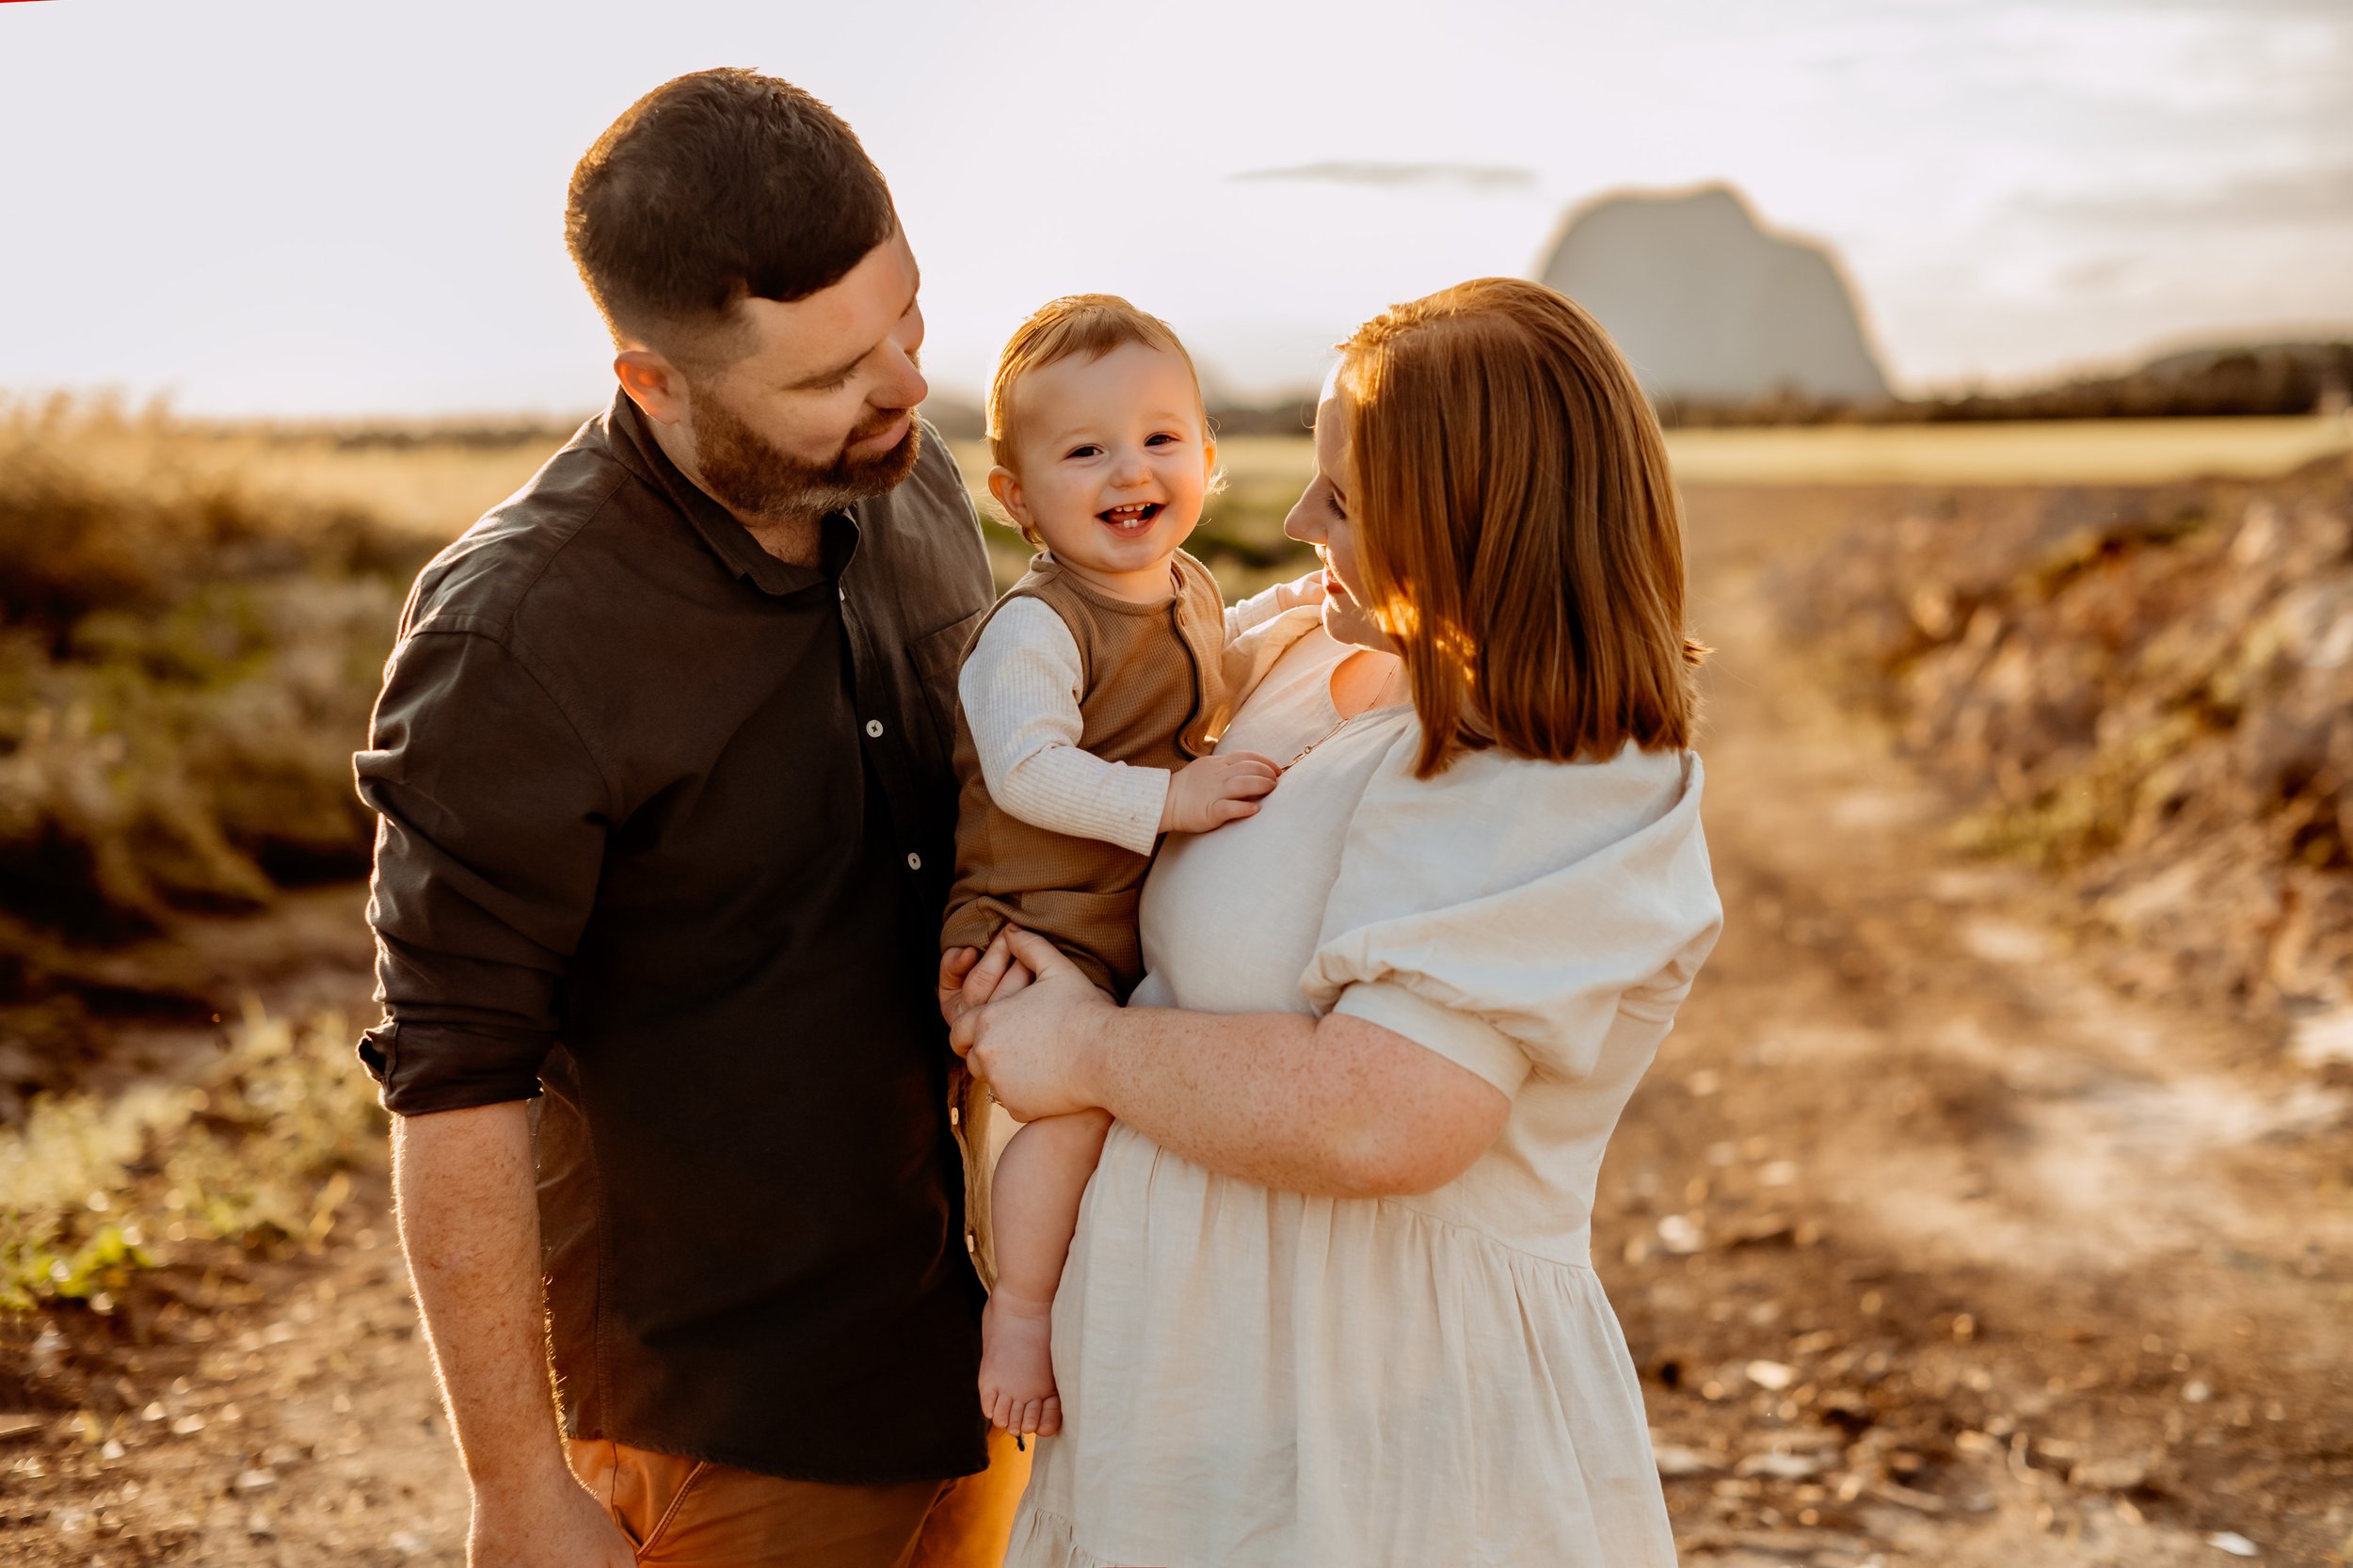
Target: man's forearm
[470,1223]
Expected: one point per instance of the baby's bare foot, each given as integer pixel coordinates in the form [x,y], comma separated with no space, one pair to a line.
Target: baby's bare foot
[1017,1367]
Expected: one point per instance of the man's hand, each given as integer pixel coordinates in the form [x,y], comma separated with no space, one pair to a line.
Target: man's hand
[1031,1043]
[553,1524]
[1210,791]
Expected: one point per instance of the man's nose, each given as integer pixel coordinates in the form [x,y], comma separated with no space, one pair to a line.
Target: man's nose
[908,388]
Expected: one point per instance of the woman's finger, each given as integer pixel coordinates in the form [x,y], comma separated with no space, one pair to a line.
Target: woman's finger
[1017,980]
[1043,957]
[979,986]
[955,966]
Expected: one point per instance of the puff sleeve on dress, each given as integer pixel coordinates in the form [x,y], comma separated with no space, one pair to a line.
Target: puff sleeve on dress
[1505,912]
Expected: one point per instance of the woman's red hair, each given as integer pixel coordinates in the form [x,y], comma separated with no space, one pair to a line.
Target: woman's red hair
[1519,533]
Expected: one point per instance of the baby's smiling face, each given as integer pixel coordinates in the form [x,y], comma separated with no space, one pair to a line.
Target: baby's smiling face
[1114,461]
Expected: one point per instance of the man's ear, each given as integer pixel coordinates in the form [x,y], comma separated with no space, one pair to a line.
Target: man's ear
[653,383]
[1005,486]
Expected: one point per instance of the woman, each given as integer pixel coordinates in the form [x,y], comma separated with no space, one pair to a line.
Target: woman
[1330,1301]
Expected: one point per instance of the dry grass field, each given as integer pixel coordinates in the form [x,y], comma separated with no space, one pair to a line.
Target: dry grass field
[1937,1243]
[2034,451]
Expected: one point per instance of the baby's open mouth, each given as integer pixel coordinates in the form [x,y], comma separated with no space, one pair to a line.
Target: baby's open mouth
[1133,519]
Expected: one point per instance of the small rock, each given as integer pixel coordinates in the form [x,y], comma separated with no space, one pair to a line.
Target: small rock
[2233,1542]
[2196,1392]
[249,1481]
[2318,1039]
[1679,1234]
[1780,1467]
[1773,1376]
[1677,1462]
[187,1426]
[1763,1230]
[2110,1475]
[259,1525]
[112,1449]
[408,1542]
[1906,1497]
[18,1424]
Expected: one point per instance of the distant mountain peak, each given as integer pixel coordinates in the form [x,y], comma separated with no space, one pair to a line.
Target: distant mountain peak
[1709,304]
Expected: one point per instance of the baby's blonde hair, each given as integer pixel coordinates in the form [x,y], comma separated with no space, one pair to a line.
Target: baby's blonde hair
[1088,324]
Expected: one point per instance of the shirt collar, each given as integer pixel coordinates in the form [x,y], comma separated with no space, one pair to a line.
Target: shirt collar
[633,443]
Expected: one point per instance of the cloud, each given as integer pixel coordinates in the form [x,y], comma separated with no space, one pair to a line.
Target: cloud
[1399,176]
[2276,197]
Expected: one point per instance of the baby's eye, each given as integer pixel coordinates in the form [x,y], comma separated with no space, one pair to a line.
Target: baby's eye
[1159,438]
[1088,451]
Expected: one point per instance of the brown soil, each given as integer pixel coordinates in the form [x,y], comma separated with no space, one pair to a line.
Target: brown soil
[1932,1248]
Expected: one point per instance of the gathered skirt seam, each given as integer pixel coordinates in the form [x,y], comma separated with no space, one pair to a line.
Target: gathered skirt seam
[1487,1236]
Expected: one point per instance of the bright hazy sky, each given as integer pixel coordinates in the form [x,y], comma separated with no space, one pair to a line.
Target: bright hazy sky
[321,208]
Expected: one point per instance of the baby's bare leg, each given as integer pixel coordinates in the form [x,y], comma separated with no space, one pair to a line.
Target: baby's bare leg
[1034,1212]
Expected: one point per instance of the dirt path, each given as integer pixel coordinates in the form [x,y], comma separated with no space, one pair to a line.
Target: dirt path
[2034,1273]
[1932,1250]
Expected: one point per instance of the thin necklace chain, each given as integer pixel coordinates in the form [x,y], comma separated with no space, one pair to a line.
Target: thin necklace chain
[1374,706]
[1300,755]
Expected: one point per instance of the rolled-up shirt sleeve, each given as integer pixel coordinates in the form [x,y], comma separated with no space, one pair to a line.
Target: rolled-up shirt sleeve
[492,811]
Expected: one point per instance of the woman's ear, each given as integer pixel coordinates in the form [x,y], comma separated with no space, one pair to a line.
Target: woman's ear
[1004,486]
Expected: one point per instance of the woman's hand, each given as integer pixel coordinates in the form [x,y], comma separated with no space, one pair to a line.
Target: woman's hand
[1030,1043]
[970,978]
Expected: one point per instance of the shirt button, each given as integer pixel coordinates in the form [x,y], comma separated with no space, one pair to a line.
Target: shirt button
[874,728]
[915,862]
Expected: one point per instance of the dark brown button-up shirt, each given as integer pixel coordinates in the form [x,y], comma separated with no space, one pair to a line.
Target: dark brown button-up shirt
[667,828]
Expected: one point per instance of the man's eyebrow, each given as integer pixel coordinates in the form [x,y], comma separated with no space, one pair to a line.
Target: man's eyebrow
[826,377]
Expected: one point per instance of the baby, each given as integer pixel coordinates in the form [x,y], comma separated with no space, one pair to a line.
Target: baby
[1087,704]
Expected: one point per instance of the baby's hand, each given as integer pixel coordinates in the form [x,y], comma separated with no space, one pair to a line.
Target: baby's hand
[1210,791]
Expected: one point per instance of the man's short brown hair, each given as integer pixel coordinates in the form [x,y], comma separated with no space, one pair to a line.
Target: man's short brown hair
[1520,536]
[714,188]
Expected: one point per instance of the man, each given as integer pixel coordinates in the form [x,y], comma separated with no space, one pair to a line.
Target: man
[662,771]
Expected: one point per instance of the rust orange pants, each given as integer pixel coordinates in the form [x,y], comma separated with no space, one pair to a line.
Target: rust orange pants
[692,1513]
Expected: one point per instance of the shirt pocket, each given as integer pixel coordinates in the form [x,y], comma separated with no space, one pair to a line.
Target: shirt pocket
[938,656]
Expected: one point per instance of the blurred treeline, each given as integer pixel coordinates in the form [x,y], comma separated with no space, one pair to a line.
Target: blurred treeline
[2265,379]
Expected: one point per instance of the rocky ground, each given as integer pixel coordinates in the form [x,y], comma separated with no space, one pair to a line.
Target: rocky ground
[1933,1244]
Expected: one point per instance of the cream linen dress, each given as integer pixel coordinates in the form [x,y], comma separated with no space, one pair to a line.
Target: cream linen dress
[1255,1379]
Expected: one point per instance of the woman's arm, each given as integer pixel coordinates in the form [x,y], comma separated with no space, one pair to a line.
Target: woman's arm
[1335,1106]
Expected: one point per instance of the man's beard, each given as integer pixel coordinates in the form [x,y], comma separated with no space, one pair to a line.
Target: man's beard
[753,477]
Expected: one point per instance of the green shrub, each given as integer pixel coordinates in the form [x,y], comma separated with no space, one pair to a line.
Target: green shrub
[186,664]
[93,1192]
